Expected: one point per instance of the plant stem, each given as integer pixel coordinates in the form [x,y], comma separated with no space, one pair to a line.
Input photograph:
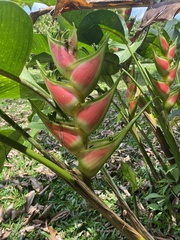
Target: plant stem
[30,153]
[80,187]
[26,136]
[131,216]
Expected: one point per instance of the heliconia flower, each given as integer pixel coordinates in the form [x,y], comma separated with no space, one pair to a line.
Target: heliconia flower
[66,97]
[130,24]
[162,88]
[92,159]
[169,79]
[132,107]
[85,72]
[62,56]
[164,46]
[70,137]
[91,114]
[172,98]
[171,52]
[131,91]
[162,65]
[125,13]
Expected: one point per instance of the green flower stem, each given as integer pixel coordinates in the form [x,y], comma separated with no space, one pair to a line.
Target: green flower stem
[30,153]
[131,216]
[141,146]
[26,136]
[169,137]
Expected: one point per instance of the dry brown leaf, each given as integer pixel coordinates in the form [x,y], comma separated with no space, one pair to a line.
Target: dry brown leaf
[165,10]
[1,214]
[35,184]
[6,234]
[16,213]
[9,210]
[52,233]
[60,215]
[67,5]
[29,199]
[46,212]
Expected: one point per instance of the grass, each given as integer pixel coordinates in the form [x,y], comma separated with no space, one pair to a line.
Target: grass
[53,203]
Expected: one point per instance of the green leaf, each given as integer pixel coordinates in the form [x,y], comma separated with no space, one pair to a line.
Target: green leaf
[31,2]
[40,44]
[130,174]
[89,30]
[153,195]
[16,33]
[41,58]
[154,206]
[4,149]
[126,54]
[76,16]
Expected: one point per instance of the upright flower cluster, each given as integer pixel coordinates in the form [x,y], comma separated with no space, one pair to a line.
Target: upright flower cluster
[165,88]
[70,94]
[132,95]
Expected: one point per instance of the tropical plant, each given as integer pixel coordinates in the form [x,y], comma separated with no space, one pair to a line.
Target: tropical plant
[87,49]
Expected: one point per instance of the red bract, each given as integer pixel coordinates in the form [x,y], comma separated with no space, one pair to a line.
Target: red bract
[171,52]
[171,76]
[163,44]
[171,100]
[91,160]
[85,72]
[162,88]
[62,56]
[91,114]
[162,65]
[64,94]
[70,137]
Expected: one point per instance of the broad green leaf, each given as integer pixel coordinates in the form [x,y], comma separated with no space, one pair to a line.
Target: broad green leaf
[129,173]
[16,33]
[41,58]
[76,16]
[89,30]
[172,28]
[12,89]
[31,2]
[4,149]
[40,44]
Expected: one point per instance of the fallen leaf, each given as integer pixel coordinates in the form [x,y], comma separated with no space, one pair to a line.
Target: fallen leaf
[46,212]
[52,233]
[60,215]
[6,234]
[35,184]
[9,210]
[1,214]
[29,199]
